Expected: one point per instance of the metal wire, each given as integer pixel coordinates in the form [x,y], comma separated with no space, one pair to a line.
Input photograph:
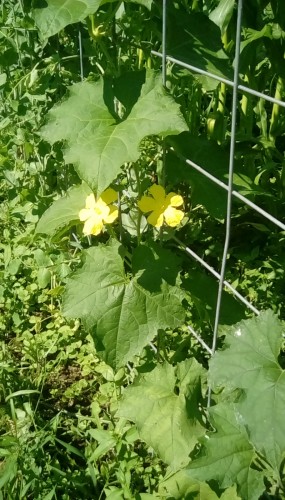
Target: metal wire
[199,338]
[236,194]
[80,56]
[218,276]
[164,7]
[231,193]
[230,184]
[230,83]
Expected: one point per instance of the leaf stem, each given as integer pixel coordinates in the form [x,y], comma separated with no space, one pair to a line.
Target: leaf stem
[137,174]
[275,109]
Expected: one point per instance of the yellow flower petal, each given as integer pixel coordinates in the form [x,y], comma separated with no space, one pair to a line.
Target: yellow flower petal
[93,225]
[173,199]
[157,192]
[101,209]
[156,218]
[109,196]
[90,201]
[84,214]
[114,212]
[173,217]
[147,204]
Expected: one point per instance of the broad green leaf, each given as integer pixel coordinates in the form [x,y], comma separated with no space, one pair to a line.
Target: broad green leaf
[123,314]
[97,144]
[222,14]
[153,264]
[167,421]
[180,485]
[250,362]
[196,40]
[228,455]
[60,13]
[64,211]
[9,470]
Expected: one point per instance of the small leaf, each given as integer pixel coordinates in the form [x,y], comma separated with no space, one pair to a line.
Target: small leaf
[167,421]
[64,211]
[250,362]
[97,144]
[222,14]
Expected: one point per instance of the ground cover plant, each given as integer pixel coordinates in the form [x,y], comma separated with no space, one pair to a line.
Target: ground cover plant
[103,388]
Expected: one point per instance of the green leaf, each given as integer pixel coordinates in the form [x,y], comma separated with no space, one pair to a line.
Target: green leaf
[168,421]
[200,45]
[250,362]
[123,315]
[153,265]
[180,485]
[222,14]
[60,13]
[228,455]
[63,212]
[8,470]
[97,144]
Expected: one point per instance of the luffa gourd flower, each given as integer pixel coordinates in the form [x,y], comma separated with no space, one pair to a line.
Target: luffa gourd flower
[96,213]
[162,207]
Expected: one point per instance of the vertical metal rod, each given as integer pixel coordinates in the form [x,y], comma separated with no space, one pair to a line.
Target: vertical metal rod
[230,183]
[80,56]
[164,6]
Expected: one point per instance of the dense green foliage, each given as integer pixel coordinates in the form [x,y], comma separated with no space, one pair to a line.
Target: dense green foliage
[103,389]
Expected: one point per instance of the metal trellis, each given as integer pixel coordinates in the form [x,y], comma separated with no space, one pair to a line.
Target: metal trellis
[231,193]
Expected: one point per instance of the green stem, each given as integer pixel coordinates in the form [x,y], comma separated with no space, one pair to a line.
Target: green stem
[137,174]
[222,98]
[275,109]
[246,122]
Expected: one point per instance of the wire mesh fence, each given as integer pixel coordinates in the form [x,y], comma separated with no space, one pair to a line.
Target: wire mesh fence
[237,88]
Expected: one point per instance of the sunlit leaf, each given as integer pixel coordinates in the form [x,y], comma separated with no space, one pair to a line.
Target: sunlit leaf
[227,455]
[64,211]
[250,362]
[123,314]
[96,143]
[222,14]
[60,13]
[168,421]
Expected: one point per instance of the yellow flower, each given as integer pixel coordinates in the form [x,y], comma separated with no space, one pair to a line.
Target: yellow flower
[162,207]
[96,213]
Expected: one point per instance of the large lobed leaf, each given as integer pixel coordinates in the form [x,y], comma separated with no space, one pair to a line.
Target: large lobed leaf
[123,314]
[97,144]
[60,13]
[250,362]
[167,421]
[228,455]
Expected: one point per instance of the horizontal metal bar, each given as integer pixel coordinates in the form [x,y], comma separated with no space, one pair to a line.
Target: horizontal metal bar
[194,68]
[217,275]
[236,194]
[197,337]
[230,83]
